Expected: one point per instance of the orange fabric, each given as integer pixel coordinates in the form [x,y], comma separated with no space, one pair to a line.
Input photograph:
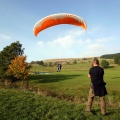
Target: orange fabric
[49,21]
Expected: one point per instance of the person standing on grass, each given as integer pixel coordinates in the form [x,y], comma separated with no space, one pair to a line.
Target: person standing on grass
[59,66]
[97,87]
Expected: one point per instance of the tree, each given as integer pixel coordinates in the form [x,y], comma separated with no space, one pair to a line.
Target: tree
[75,62]
[104,63]
[50,64]
[18,68]
[117,59]
[41,63]
[7,54]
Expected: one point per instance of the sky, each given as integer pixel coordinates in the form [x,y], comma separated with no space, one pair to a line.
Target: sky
[18,17]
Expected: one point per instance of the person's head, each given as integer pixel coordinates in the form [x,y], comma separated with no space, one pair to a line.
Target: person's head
[95,62]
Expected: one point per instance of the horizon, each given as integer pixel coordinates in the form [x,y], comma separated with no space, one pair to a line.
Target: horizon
[74,58]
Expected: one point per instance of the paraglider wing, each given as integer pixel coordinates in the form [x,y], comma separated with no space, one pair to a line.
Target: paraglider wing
[56,19]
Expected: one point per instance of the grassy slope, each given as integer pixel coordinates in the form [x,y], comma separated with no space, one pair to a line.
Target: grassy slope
[71,84]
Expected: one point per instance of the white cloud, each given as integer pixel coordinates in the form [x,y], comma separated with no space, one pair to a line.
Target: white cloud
[67,45]
[74,43]
[94,30]
[76,32]
[4,41]
[4,37]
[105,39]
[71,38]
[96,46]
[64,42]
[40,43]
[88,40]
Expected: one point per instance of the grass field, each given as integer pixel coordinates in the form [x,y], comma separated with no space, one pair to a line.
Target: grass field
[60,95]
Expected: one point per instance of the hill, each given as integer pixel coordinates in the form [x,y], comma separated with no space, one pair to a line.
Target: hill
[109,56]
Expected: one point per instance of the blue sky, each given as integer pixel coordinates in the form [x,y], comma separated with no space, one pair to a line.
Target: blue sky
[18,17]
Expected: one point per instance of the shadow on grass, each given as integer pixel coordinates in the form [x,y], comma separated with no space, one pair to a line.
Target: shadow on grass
[114,112]
[109,112]
[111,66]
[115,77]
[51,78]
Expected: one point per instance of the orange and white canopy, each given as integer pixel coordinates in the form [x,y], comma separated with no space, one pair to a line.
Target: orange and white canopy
[56,19]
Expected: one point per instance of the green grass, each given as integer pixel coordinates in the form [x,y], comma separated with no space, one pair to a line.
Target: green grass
[72,83]
[60,95]
[23,105]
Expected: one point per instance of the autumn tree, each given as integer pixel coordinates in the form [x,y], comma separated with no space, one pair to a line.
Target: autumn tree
[7,54]
[18,68]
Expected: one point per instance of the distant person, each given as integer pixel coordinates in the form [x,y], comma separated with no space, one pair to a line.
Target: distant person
[59,66]
[97,87]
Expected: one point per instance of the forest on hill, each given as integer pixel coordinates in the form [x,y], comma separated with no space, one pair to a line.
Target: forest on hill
[110,56]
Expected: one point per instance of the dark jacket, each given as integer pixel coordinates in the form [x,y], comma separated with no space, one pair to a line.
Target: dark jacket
[97,74]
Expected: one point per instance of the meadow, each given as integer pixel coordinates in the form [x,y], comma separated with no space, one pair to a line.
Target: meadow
[60,95]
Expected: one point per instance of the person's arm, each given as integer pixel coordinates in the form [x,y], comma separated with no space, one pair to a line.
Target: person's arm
[89,76]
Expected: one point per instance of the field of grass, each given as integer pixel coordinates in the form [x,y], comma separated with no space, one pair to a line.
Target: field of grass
[60,95]
[23,105]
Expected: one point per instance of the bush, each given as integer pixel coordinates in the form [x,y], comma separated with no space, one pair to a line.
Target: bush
[104,63]
[117,59]
[75,62]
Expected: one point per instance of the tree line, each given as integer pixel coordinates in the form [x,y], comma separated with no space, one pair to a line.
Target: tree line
[110,56]
[115,57]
